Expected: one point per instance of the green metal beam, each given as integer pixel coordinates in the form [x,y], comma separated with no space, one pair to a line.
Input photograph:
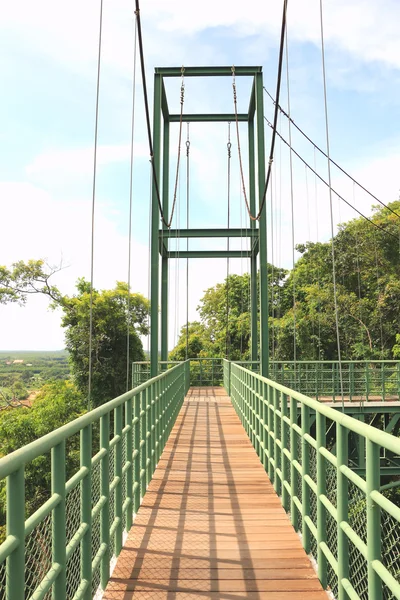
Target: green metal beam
[164,260]
[164,103]
[207,71]
[264,334]
[253,262]
[252,103]
[210,254]
[208,233]
[208,118]
[154,284]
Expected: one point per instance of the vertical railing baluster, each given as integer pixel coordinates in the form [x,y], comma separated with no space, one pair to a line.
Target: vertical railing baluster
[128,500]
[285,439]
[136,464]
[305,466]
[321,491]
[270,422]
[59,590]
[342,445]
[143,453]
[105,493]
[293,457]
[15,567]
[118,475]
[374,551]
[86,509]
[276,438]
[153,401]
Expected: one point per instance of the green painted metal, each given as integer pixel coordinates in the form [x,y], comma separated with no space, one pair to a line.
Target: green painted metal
[161,112]
[352,534]
[208,233]
[154,280]
[207,71]
[207,118]
[253,259]
[264,335]
[210,254]
[163,234]
[83,518]
[86,513]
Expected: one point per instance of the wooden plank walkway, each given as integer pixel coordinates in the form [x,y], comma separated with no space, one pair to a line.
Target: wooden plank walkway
[211,525]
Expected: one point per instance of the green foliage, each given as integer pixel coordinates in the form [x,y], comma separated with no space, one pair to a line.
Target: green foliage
[368,298]
[22,372]
[57,403]
[24,278]
[111,319]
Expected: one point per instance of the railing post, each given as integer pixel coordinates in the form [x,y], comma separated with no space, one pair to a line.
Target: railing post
[305,464]
[367,381]
[351,383]
[373,520]
[118,475]
[154,399]
[229,377]
[321,491]
[285,439]
[15,569]
[59,590]
[128,501]
[277,454]
[136,472]
[398,379]
[86,509]
[105,493]
[342,445]
[293,457]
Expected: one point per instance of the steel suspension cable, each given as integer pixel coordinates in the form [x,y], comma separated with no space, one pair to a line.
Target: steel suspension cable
[333,190]
[96,130]
[128,320]
[167,222]
[331,203]
[331,159]
[273,137]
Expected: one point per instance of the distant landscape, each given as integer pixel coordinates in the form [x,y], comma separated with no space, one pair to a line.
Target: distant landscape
[23,373]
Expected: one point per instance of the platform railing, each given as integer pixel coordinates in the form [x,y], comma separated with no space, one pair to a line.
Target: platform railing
[361,379]
[63,550]
[204,372]
[346,521]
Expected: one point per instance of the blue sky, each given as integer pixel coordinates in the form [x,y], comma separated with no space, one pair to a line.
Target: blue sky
[48,75]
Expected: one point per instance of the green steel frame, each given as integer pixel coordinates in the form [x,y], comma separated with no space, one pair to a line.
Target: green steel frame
[356,556]
[102,496]
[160,237]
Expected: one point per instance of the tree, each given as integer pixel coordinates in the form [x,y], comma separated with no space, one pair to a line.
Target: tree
[224,310]
[111,319]
[57,403]
[25,278]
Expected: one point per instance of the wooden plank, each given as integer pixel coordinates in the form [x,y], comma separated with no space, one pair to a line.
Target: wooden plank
[211,525]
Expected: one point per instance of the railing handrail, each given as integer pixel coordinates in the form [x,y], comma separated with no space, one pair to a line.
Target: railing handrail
[13,461]
[386,440]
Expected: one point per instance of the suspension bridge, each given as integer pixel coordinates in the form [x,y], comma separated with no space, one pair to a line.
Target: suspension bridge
[212,478]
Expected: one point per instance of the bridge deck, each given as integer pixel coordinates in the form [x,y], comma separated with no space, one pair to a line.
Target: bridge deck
[211,525]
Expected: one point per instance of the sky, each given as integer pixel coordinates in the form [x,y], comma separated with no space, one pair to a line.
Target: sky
[48,69]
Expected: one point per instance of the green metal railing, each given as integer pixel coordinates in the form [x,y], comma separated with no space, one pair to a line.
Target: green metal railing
[63,550]
[204,372]
[362,380]
[346,522]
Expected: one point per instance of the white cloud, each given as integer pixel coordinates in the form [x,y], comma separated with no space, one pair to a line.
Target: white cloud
[79,161]
[37,226]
